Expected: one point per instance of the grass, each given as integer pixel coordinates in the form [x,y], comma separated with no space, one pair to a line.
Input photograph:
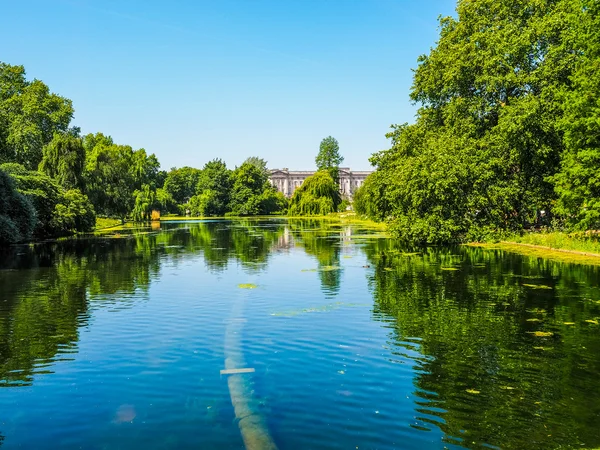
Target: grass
[103,223]
[578,242]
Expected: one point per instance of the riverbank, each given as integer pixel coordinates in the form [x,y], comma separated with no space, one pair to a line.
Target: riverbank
[346,218]
[578,248]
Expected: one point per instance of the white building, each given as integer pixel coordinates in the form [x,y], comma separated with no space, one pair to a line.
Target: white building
[287,181]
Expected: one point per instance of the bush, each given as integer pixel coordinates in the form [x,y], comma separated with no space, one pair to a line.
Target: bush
[17,214]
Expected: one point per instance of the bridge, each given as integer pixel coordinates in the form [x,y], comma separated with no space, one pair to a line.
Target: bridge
[287,181]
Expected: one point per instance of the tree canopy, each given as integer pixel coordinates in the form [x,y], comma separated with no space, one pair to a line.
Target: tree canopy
[497,144]
[329,157]
[318,195]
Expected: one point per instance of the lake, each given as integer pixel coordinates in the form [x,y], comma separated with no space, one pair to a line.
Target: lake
[348,341]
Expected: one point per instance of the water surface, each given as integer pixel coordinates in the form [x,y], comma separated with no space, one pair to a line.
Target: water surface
[118,342]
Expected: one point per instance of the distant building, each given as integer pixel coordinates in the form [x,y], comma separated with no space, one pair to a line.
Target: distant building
[287,181]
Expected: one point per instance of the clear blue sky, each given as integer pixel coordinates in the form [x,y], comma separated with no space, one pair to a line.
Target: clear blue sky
[194,80]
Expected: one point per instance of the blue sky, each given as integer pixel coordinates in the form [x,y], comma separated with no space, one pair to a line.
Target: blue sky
[194,80]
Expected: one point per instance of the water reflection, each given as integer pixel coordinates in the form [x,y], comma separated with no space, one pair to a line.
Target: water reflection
[506,346]
[504,349]
[47,289]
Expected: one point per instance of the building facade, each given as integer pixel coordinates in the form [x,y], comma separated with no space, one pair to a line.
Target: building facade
[287,181]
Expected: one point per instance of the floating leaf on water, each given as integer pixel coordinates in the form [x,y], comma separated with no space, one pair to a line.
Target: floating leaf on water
[308,270]
[448,268]
[534,320]
[473,391]
[247,286]
[347,256]
[536,286]
[329,268]
[541,333]
[568,323]
[595,322]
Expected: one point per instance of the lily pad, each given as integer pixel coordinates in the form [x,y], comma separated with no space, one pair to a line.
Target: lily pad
[247,286]
[448,268]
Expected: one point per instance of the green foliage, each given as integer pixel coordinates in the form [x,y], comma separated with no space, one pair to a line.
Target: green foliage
[74,212]
[215,182]
[29,116]
[145,200]
[181,183]
[329,157]
[17,214]
[251,193]
[318,195]
[577,184]
[64,160]
[487,140]
[260,164]
[58,212]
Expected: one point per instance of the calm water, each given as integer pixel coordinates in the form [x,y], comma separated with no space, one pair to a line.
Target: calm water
[118,342]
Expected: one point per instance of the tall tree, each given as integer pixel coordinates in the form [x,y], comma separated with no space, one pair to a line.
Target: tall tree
[181,183]
[214,187]
[260,164]
[329,157]
[29,116]
[64,160]
[578,181]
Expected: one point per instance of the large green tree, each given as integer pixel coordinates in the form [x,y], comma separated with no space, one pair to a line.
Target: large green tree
[251,192]
[17,214]
[29,116]
[58,211]
[318,195]
[487,140]
[213,190]
[181,183]
[329,157]
[64,160]
[578,181]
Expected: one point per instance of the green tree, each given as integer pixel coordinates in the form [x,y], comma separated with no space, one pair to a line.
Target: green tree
[17,214]
[251,193]
[29,116]
[578,182]
[64,160]
[260,164]
[58,212]
[215,183]
[318,195]
[487,139]
[329,157]
[181,183]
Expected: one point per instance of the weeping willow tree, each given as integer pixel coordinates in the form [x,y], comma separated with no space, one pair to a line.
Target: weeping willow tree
[318,195]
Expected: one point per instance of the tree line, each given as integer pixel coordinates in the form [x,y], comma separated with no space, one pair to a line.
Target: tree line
[54,180]
[507,136]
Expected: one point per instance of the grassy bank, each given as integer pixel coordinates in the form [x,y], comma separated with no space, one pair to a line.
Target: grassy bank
[578,248]
[576,242]
[104,223]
